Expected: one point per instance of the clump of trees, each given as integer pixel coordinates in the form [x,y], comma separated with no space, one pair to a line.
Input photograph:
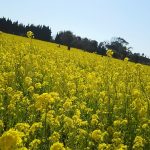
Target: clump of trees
[69,39]
[65,38]
[41,32]
[119,45]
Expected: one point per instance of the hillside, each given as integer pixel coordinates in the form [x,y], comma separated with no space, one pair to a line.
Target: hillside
[53,98]
[119,45]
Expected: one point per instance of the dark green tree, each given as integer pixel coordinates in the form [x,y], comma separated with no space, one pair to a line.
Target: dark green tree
[58,39]
[119,46]
[67,38]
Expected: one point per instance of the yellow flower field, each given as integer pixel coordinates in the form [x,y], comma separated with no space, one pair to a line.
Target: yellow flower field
[55,99]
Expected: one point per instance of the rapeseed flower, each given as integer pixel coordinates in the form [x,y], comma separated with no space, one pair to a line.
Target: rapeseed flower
[109,53]
[34,144]
[11,139]
[30,34]
[57,146]
[96,135]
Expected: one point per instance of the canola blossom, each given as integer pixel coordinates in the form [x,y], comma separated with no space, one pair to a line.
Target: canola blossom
[30,34]
[55,99]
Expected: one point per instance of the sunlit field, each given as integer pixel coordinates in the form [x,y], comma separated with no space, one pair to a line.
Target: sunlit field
[55,99]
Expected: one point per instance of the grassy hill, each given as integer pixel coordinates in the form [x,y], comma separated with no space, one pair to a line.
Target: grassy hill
[52,98]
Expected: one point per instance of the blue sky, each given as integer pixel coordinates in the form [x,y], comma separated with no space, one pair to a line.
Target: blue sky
[96,19]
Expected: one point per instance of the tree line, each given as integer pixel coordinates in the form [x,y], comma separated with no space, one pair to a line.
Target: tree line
[119,45]
[41,32]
